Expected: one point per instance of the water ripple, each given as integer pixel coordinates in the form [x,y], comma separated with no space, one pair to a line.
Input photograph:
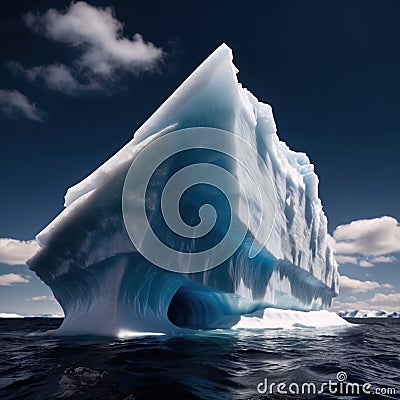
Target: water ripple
[202,365]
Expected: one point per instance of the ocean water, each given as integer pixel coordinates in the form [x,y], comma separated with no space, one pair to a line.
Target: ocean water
[202,365]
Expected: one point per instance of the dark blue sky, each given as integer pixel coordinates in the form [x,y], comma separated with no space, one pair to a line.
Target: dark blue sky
[329,69]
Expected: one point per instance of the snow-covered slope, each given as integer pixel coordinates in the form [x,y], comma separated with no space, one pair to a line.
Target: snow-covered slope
[369,314]
[11,315]
[106,284]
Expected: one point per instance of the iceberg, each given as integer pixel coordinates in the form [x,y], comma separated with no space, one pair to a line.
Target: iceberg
[11,315]
[368,314]
[130,252]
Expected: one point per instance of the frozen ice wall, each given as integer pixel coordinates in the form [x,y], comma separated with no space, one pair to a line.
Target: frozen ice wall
[106,286]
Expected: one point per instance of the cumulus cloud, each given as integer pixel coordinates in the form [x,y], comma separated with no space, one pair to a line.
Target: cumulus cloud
[365,263]
[371,237]
[56,76]
[383,259]
[346,259]
[367,242]
[16,252]
[393,299]
[13,102]
[41,298]
[11,279]
[353,294]
[103,50]
[349,285]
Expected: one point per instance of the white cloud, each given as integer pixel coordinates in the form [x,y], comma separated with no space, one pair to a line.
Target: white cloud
[10,279]
[384,259]
[41,298]
[369,237]
[349,285]
[392,299]
[16,252]
[57,77]
[14,102]
[367,242]
[346,259]
[98,35]
[365,263]
[350,289]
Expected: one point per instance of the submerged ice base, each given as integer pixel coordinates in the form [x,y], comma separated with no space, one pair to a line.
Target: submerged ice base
[106,286]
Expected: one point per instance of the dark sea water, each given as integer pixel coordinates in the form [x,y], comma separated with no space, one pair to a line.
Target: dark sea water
[204,365]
